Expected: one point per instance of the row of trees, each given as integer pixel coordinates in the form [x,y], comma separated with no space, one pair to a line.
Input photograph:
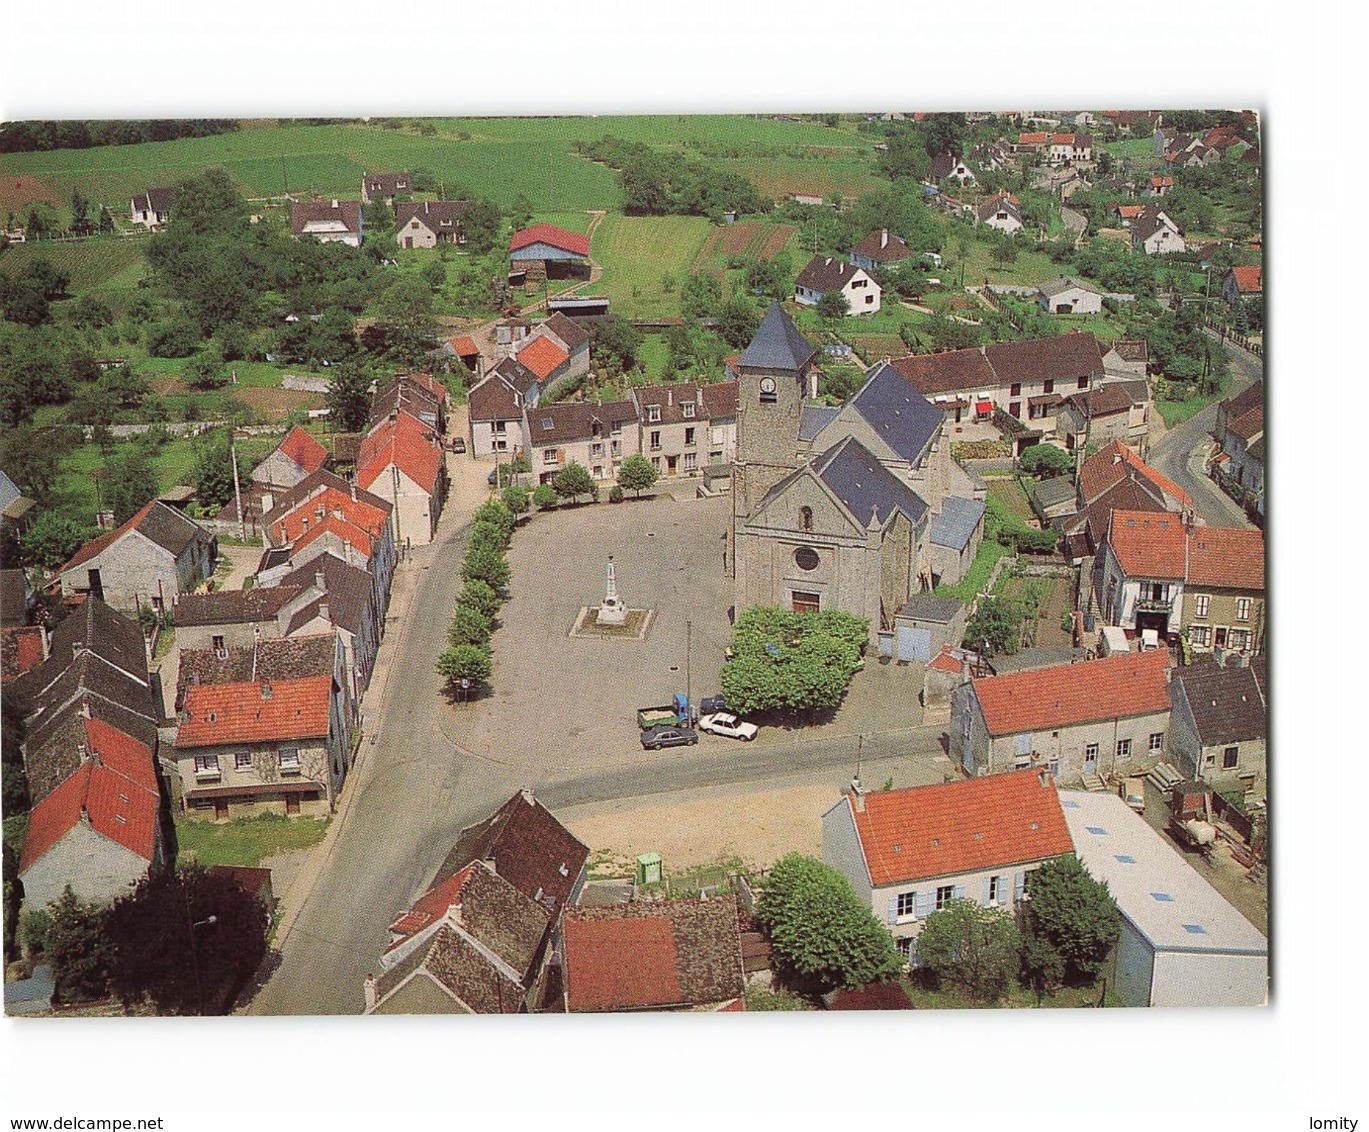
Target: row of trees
[661,183]
[184,941]
[466,663]
[26,137]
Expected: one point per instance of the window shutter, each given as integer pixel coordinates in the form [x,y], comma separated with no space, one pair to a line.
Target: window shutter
[958,893]
[1024,743]
[923,903]
[1019,886]
[893,909]
[985,901]
[1003,882]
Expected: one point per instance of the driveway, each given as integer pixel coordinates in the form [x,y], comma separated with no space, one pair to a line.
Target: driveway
[1181,453]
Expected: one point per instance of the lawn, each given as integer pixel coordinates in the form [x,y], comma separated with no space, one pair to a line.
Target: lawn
[246,841]
[101,263]
[1176,412]
[1018,997]
[776,177]
[637,253]
[977,577]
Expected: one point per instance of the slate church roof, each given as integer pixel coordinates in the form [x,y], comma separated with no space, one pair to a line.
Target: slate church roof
[778,344]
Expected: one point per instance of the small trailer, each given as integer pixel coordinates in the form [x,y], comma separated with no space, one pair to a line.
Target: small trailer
[677,713]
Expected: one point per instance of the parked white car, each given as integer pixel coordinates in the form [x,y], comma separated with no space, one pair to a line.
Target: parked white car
[727,724]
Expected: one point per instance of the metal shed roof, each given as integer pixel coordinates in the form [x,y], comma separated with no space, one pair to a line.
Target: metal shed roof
[957,522]
[1158,892]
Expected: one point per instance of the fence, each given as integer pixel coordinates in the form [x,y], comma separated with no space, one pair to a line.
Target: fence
[1250,345]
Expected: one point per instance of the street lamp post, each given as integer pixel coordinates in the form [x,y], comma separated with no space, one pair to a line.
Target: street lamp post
[191,925]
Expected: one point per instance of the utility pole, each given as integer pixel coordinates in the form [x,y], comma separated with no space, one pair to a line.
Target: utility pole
[689,688]
[237,487]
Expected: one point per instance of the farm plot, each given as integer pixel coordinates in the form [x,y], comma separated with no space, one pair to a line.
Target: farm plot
[777,177]
[644,260]
[753,239]
[1010,492]
[96,264]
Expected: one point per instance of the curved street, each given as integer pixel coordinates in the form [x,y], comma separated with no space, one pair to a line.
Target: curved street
[1182,452]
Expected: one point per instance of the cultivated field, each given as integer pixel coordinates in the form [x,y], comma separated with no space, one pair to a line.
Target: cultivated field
[638,252]
[777,177]
[754,239]
[101,263]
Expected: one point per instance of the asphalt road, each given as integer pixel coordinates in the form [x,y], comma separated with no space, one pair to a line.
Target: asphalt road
[1181,452]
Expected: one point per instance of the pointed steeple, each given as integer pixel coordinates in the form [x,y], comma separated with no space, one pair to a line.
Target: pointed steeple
[778,344]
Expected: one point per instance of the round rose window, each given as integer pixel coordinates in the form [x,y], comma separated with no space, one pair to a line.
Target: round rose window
[806,558]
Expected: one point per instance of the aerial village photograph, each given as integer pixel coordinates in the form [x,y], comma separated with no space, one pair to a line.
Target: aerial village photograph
[636,565]
[766,562]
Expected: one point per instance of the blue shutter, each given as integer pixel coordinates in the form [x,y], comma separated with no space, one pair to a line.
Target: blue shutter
[958,893]
[1019,886]
[1024,743]
[925,903]
[893,909]
[985,901]
[1003,883]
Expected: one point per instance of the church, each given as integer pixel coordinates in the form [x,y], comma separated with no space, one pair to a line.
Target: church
[855,507]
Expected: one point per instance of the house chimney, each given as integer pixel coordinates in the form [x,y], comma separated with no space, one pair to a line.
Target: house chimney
[337,513]
[527,795]
[813,385]
[46,638]
[318,580]
[85,816]
[267,502]
[857,796]
[370,988]
[335,203]
[81,751]
[884,237]
[670,396]
[1044,777]
[85,709]
[354,491]
[323,611]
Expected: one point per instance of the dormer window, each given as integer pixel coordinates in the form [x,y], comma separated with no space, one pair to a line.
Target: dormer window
[687,408]
[653,413]
[548,423]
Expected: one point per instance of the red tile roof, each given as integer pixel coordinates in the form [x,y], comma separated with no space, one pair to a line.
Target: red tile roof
[1162,182]
[1248,425]
[431,906]
[542,356]
[1045,699]
[720,399]
[122,753]
[960,827]
[1130,211]
[1032,139]
[335,503]
[21,648]
[1228,557]
[618,964]
[358,539]
[253,712]
[1149,545]
[1248,281]
[947,660]
[120,808]
[548,234]
[1112,463]
[303,450]
[405,442]
[464,345]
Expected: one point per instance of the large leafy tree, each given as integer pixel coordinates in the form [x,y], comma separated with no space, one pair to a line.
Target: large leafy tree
[614,345]
[349,398]
[700,296]
[971,947]
[637,474]
[34,370]
[794,663]
[479,596]
[52,538]
[213,470]
[187,940]
[129,483]
[821,934]
[469,627]
[1046,460]
[406,309]
[1075,915]
[834,306]
[82,953]
[573,481]
[488,565]
[480,222]
[737,321]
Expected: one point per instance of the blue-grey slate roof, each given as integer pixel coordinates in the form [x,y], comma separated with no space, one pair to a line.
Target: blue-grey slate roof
[778,344]
[865,485]
[903,418]
[815,418]
[9,491]
[957,522]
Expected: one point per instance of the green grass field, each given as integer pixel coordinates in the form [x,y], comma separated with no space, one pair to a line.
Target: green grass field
[1009,491]
[102,263]
[637,252]
[247,841]
[777,177]
[494,157]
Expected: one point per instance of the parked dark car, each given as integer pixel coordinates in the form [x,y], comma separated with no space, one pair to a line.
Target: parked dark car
[710,704]
[659,737]
[458,444]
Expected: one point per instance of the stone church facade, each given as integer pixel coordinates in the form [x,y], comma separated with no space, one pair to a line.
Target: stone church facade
[841,507]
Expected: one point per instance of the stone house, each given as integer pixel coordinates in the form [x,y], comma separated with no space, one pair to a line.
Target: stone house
[1116,410]
[675,430]
[946,165]
[1099,717]
[1027,379]
[146,562]
[496,405]
[257,747]
[237,618]
[401,461]
[908,853]
[427,223]
[296,457]
[99,831]
[1154,233]
[1066,149]
[429,967]
[1220,724]
[668,955]
[598,437]
[1127,357]
[1142,570]
[1224,602]
[824,274]
[329,222]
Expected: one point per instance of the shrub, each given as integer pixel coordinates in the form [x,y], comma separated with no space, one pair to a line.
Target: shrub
[545,496]
[37,923]
[615,494]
